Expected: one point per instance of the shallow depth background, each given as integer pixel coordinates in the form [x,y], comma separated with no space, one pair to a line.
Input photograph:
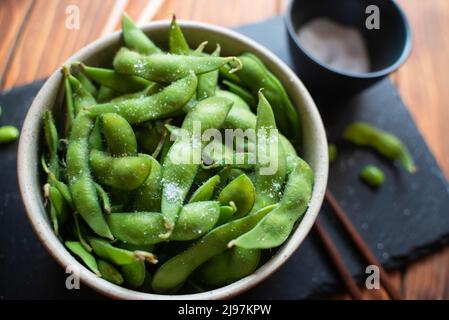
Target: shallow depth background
[34,41]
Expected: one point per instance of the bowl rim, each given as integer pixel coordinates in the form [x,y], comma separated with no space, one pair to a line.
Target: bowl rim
[65,259]
[406,50]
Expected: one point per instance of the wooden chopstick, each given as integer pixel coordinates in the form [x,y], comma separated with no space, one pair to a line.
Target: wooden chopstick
[362,246]
[342,269]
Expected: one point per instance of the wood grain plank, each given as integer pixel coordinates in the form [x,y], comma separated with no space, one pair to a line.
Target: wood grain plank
[233,13]
[423,80]
[46,42]
[12,18]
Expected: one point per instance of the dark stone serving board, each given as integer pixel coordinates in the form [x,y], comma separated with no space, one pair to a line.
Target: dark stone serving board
[401,221]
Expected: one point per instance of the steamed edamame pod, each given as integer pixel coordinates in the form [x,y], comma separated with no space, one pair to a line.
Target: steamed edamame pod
[136,39]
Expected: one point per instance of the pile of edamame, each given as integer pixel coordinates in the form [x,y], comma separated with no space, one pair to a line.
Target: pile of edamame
[122,190]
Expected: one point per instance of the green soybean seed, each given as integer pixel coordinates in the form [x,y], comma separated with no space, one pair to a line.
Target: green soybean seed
[332,150]
[109,272]
[78,249]
[388,145]
[372,175]
[167,68]
[8,134]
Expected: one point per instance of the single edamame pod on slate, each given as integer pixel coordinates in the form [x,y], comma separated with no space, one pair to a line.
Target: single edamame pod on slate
[157,106]
[372,175]
[8,134]
[275,228]
[145,228]
[125,173]
[76,248]
[80,180]
[136,39]
[173,273]
[228,267]
[109,272]
[119,135]
[118,82]
[167,68]
[388,145]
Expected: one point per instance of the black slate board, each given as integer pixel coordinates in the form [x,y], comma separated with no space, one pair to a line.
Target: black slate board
[406,218]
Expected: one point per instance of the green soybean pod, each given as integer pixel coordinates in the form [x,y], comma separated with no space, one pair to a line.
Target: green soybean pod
[166,68]
[81,184]
[86,83]
[96,137]
[81,97]
[118,82]
[275,228]
[106,94]
[109,272]
[241,192]
[70,110]
[8,134]
[226,213]
[148,196]
[177,43]
[148,91]
[388,145]
[174,272]
[207,83]
[372,175]
[241,92]
[228,267]
[104,198]
[269,149]
[119,256]
[239,103]
[125,173]
[158,106]
[119,135]
[136,39]
[76,248]
[206,191]
[134,273]
[60,205]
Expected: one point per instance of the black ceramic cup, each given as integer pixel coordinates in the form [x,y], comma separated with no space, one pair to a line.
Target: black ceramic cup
[388,47]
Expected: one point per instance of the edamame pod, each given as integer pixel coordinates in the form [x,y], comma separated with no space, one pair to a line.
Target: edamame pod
[228,267]
[275,228]
[81,97]
[86,83]
[125,173]
[206,191]
[241,192]
[134,273]
[109,272]
[173,273]
[8,134]
[81,183]
[207,83]
[157,106]
[372,175]
[388,145]
[118,82]
[106,94]
[135,39]
[148,196]
[167,68]
[84,255]
[119,135]
[177,43]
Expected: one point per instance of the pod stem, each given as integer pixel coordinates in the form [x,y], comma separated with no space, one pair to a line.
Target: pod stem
[239,64]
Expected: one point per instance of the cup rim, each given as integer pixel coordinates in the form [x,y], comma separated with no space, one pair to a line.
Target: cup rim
[64,258]
[406,50]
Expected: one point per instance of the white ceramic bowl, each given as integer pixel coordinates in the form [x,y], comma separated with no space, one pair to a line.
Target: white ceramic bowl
[101,52]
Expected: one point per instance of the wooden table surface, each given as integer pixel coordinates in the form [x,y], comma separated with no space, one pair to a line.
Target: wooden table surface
[35,41]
